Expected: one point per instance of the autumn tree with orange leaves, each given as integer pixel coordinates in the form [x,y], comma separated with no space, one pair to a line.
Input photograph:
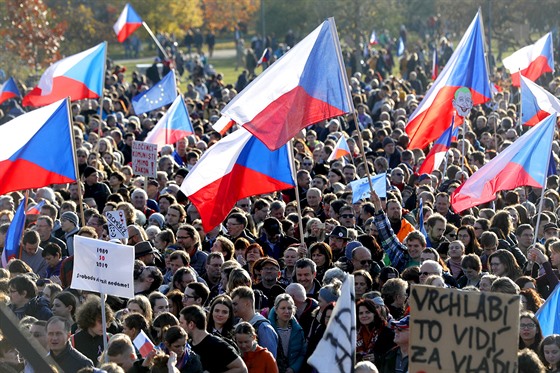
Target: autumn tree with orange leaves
[32,36]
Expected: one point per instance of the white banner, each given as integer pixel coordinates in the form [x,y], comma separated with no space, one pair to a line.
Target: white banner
[117,224]
[104,267]
[144,158]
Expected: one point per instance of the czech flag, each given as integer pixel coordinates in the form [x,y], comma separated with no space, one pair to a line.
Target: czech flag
[13,235]
[143,344]
[421,226]
[340,150]
[162,93]
[174,125]
[265,57]
[373,38]
[531,61]
[9,90]
[435,66]
[36,149]
[536,103]
[525,162]
[78,76]
[437,153]
[128,22]
[236,167]
[35,209]
[306,85]
[466,68]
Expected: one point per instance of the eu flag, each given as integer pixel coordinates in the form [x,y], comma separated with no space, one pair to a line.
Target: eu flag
[161,94]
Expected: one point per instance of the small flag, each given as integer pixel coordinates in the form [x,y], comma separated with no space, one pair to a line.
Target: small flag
[128,22]
[400,50]
[35,209]
[143,344]
[161,94]
[265,57]
[9,90]
[13,235]
[439,150]
[340,150]
[336,350]
[549,314]
[421,226]
[536,103]
[360,188]
[373,38]
[435,66]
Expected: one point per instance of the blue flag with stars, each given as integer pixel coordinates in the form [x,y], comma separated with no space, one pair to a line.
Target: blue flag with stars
[161,94]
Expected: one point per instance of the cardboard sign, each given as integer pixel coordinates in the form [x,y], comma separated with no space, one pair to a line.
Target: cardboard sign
[456,331]
[117,224]
[144,158]
[103,266]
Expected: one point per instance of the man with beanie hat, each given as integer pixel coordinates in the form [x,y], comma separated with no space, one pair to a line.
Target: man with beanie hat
[69,225]
[94,189]
[392,154]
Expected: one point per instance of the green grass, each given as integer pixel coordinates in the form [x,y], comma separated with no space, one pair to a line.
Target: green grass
[224,66]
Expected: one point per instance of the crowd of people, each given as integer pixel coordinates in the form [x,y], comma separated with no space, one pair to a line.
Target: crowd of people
[252,294]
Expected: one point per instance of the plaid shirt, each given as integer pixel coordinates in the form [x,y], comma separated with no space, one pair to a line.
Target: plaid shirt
[395,250]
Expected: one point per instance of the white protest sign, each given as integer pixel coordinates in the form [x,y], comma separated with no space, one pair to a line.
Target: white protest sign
[454,331]
[104,267]
[117,224]
[144,158]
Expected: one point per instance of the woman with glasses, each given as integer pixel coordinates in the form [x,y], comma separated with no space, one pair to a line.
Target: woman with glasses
[502,263]
[467,236]
[530,334]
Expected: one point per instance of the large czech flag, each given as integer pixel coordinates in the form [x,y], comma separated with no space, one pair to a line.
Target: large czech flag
[128,22]
[9,90]
[305,86]
[79,76]
[36,149]
[237,166]
[466,68]
[531,61]
[536,103]
[525,162]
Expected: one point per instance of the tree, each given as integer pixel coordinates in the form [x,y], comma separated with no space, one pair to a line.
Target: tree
[31,34]
[225,15]
[169,16]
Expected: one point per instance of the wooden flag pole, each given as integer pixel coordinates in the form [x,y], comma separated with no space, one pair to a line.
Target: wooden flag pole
[78,181]
[294,175]
[155,40]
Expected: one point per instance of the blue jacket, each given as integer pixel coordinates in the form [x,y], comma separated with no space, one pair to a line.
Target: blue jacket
[297,346]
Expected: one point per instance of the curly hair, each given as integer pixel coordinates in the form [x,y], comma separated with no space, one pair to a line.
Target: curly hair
[89,313]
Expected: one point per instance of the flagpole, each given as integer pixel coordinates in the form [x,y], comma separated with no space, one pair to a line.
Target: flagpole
[104,325]
[463,142]
[298,206]
[535,239]
[102,91]
[78,181]
[350,102]
[520,119]
[155,39]
[24,221]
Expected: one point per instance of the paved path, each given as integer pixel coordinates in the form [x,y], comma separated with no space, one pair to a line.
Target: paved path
[218,55]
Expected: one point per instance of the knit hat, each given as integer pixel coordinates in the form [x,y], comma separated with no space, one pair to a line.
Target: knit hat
[329,294]
[350,246]
[89,171]
[388,140]
[70,216]
[158,218]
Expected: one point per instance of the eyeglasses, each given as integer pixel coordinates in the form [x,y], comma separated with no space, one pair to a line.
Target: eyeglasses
[398,174]
[186,296]
[527,326]
[477,228]
[307,164]
[366,262]
[452,235]
[244,205]
[183,237]
[347,216]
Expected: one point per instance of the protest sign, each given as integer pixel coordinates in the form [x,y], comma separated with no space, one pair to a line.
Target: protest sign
[144,158]
[116,222]
[103,266]
[456,331]
[360,188]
